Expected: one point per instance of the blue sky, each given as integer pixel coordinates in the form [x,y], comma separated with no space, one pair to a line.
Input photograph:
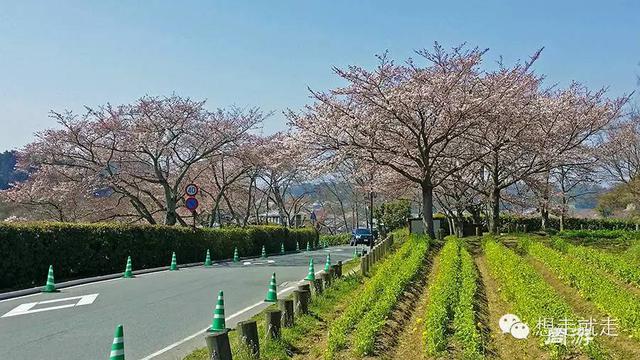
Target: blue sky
[65,54]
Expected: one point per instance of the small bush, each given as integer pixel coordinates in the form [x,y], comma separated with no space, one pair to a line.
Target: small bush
[335,240]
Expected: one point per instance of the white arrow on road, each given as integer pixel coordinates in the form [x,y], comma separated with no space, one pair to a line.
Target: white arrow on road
[28,307]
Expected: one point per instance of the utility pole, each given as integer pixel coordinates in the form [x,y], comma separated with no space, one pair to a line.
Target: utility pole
[371,215]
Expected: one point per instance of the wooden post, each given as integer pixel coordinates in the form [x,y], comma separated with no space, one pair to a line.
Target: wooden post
[218,344]
[301,301]
[363,266]
[273,324]
[317,286]
[304,287]
[286,306]
[334,271]
[340,269]
[326,278]
[248,334]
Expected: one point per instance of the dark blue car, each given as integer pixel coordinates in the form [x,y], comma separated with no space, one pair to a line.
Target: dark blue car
[361,236]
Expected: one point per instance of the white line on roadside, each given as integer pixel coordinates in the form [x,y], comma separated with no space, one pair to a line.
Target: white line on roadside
[234,315]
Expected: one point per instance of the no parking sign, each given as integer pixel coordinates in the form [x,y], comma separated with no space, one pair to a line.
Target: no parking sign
[191,203]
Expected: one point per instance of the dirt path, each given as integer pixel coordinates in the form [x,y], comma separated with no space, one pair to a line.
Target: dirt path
[619,347]
[410,342]
[499,345]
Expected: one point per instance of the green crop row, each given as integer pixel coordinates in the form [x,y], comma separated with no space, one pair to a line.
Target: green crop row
[530,296]
[367,313]
[606,261]
[464,319]
[442,292]
[373,321]
[595,286]
[633,254]
[451,295]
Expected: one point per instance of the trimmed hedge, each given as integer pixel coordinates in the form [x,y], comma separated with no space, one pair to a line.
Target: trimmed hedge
[85,250]
[535,223]
[337,239]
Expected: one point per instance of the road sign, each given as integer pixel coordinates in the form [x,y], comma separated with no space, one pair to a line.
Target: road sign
[192,189]
[29,307]
[191,203]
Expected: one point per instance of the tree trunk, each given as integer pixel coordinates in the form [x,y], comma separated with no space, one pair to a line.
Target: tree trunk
[171,217]
[494,203]
[544,217]
[563,212]
[427,209]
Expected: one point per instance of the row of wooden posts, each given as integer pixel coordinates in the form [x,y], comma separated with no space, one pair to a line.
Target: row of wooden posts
[218,342]
[379,251]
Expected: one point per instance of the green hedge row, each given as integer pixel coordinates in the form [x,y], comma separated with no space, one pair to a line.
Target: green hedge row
[337,239]
[535,223]
[85,250]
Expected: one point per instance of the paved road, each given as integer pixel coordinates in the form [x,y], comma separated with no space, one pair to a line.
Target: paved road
[157,310]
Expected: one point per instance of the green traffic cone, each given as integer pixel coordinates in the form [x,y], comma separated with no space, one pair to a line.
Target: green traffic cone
[174,262]
[355,253]
[117,347]
[282,249]
[128,274]
[207,260]
[236,258]
[272,294]
[327,264]
[297,246]
[218,315]
[264,253]
[308,245]
[50,286]
[312,274]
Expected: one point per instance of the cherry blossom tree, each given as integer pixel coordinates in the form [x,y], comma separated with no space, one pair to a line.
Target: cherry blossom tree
[144,152]
[619,151]
[530,133]
[412,119]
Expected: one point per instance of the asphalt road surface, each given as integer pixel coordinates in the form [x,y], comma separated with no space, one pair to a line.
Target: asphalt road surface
[164,314]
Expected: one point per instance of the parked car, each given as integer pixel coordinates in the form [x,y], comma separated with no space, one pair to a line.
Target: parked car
[361,236]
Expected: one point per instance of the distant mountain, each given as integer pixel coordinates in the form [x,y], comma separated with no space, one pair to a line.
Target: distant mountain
[8,172]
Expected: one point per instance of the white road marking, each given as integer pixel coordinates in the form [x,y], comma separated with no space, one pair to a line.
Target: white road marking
[27,308]
[190,337]
[246,263]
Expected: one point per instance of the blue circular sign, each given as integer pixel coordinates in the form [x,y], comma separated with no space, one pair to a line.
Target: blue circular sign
[192,190]
[191,203]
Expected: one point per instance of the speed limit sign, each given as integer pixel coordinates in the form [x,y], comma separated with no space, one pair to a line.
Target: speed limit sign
[192,189]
